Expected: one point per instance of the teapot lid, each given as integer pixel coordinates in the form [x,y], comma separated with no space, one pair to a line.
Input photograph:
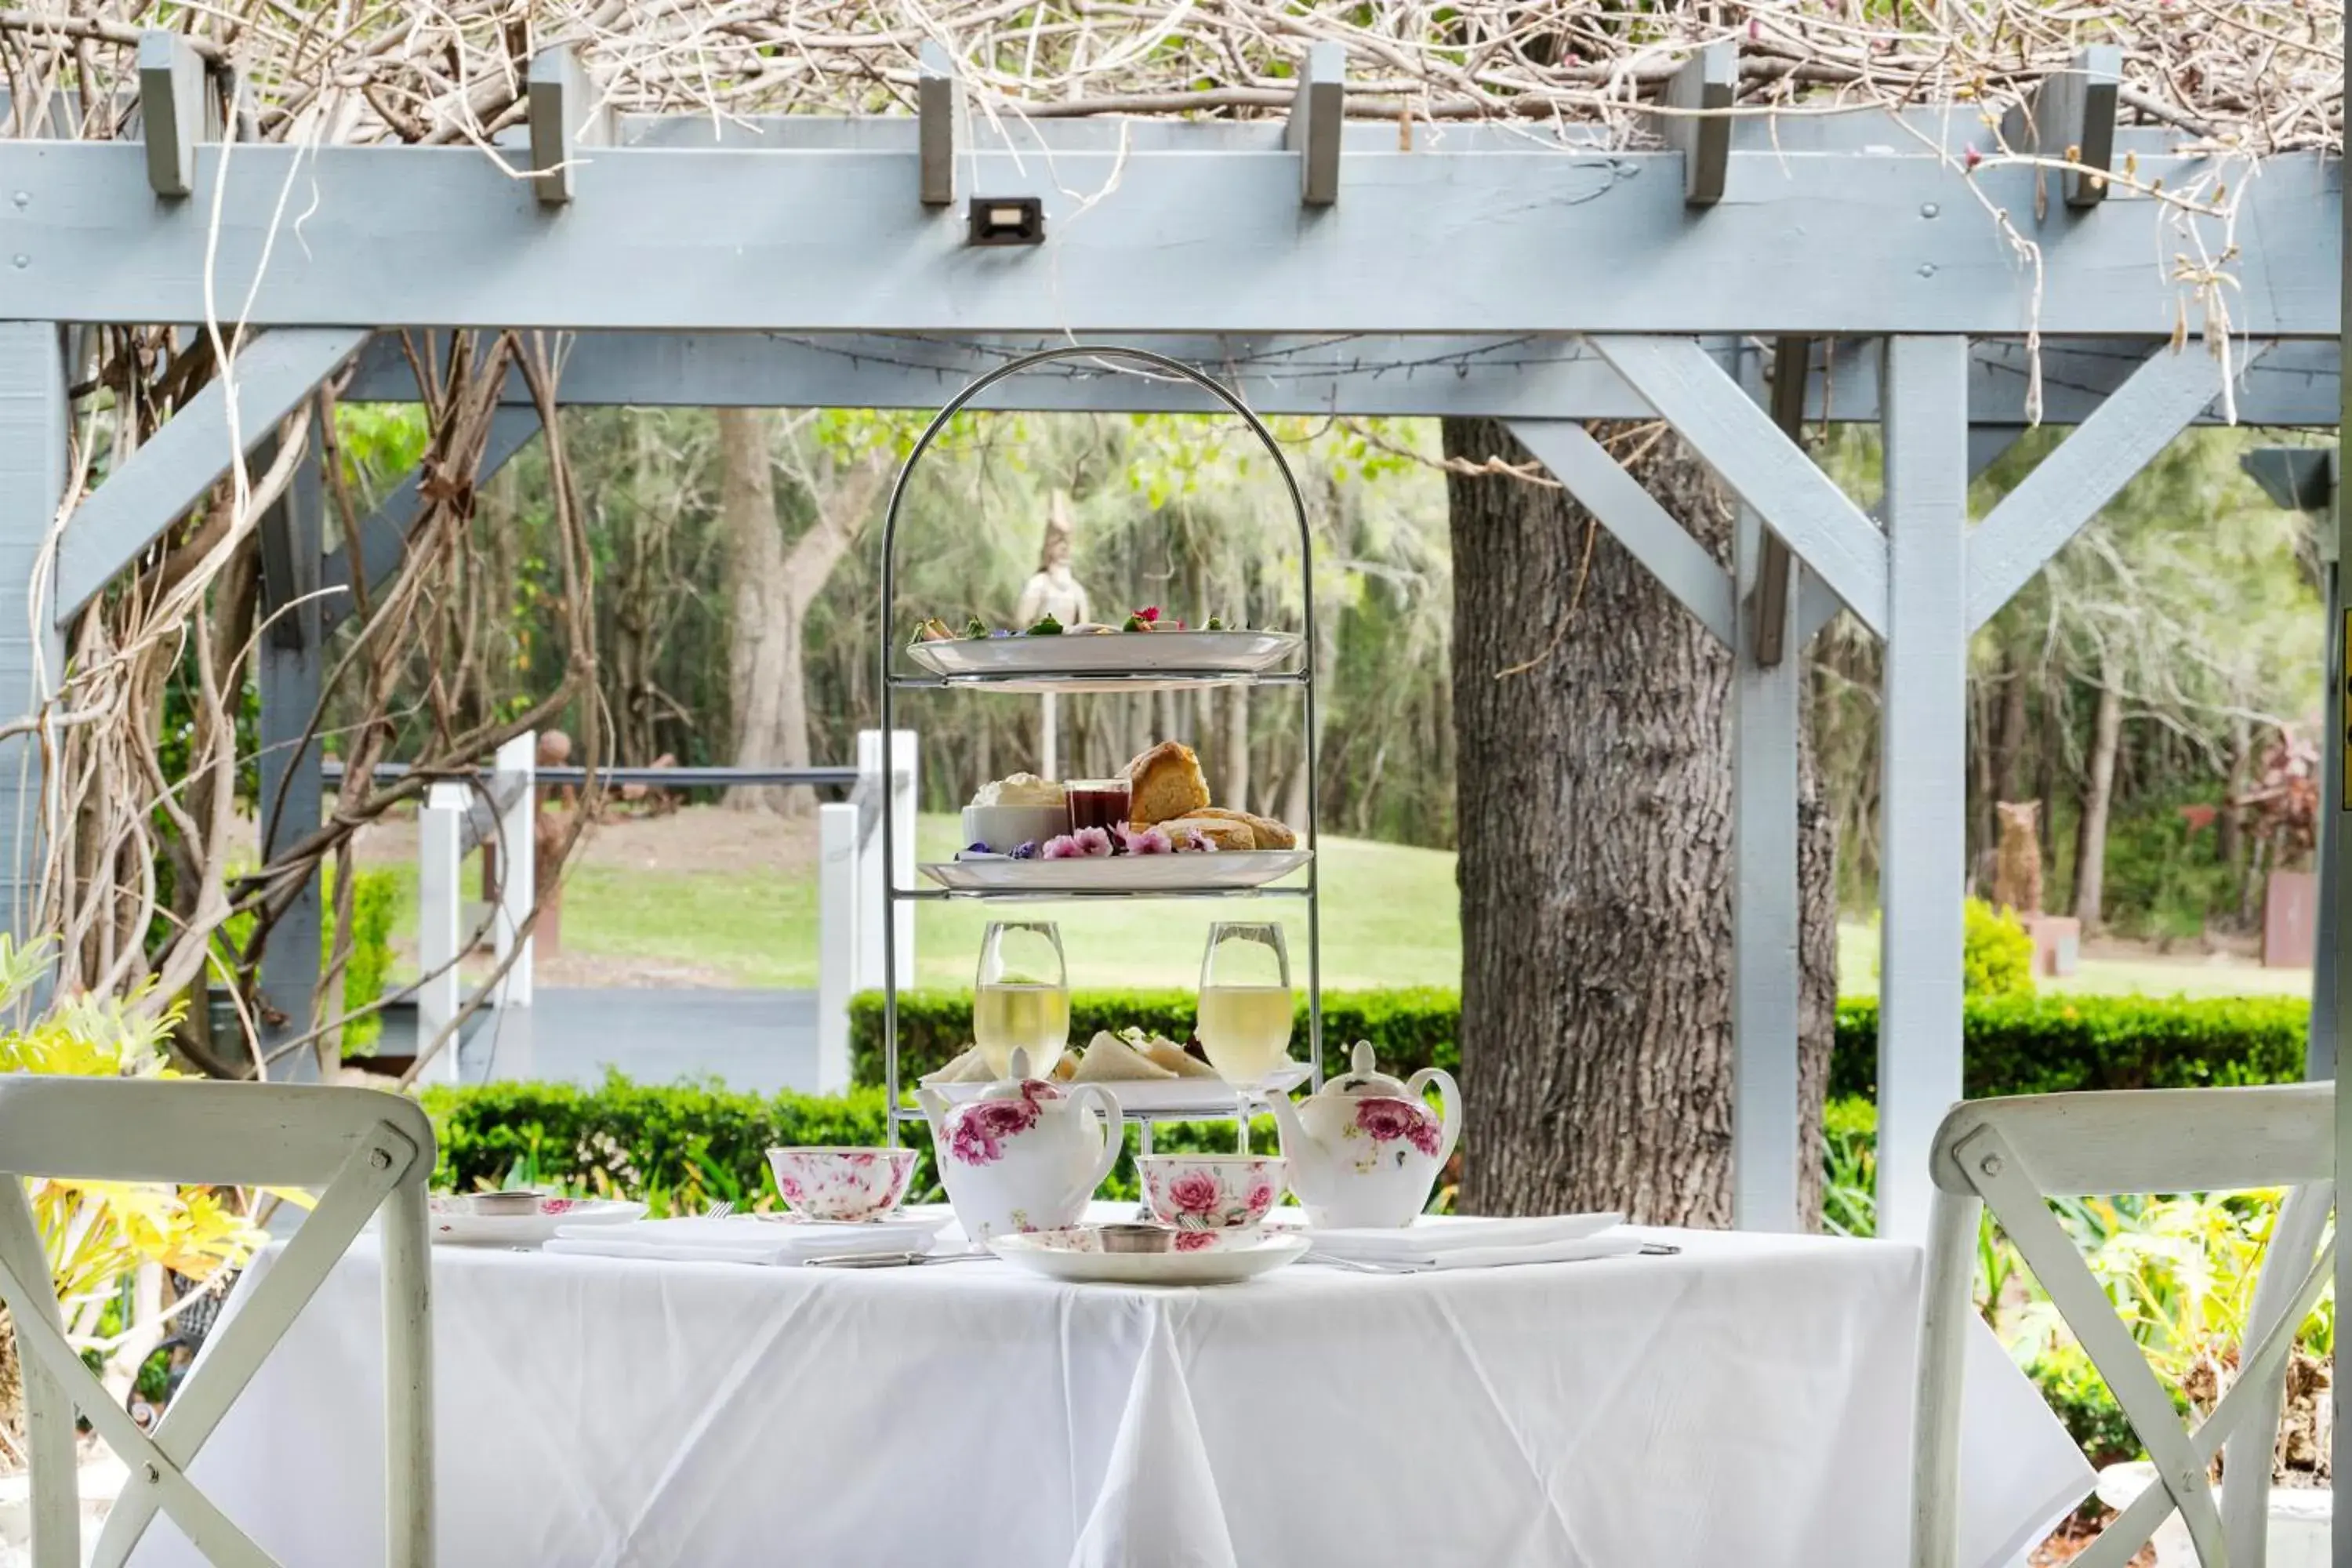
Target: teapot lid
[1017,1083]
[1364,1081]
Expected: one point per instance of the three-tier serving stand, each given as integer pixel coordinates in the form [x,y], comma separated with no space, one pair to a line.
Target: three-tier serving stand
[895,680]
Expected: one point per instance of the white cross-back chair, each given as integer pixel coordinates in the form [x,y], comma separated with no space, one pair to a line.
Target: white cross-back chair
[2010,1155]
[359,1149]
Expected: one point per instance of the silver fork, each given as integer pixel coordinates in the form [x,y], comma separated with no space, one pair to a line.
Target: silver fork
[720,1209]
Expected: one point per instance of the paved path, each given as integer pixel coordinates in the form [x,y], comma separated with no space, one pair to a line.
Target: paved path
[758,1040]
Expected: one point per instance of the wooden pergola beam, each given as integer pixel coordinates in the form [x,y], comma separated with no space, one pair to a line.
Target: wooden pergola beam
[172,109]
[939,105]
[1315,117]
[564,116]
[1170,242]
[167,476]
[1699,125]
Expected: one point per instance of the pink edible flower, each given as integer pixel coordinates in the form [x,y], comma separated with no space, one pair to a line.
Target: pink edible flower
[1148,614]
[1085,844]
[1150,841]
[1195,842]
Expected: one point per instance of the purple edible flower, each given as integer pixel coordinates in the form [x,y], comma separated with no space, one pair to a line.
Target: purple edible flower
[976,848]
[1025,850]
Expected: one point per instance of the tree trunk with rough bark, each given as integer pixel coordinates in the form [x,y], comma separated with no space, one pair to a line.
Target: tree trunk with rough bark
[2098,792]
[1593,787]
[12,1395]
[774,586]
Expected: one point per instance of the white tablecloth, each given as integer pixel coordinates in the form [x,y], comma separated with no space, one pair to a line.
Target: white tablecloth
[1746,1404]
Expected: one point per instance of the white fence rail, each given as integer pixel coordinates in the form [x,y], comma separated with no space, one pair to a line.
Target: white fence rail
[458,818]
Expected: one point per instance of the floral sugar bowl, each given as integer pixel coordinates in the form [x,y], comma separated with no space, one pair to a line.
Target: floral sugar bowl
[1366,1151]
[1024,1155]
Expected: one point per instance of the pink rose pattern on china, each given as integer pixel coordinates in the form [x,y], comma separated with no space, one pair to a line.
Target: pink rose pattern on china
[982,1126]
[1194,1240]
[1198,1196]
[840,1183]
[1386,1120]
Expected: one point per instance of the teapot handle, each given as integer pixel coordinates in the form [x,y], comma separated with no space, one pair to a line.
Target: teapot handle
[1114,1133]
[1448,1092]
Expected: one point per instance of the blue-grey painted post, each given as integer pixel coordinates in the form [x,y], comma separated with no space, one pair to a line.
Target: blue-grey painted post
[2339,669]
[33,427]
[1765,908]
[1923,841]
[291,665]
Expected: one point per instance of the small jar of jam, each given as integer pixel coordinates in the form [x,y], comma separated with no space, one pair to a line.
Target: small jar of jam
[1098,803]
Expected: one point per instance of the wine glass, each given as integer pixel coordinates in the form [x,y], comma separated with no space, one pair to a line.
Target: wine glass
[1245,1016]
[1021,998]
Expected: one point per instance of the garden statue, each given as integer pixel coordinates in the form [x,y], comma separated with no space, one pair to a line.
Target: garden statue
[1053,591]
[2017,869]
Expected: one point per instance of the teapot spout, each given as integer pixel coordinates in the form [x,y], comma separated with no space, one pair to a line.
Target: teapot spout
[935,1111]
[1297,1145]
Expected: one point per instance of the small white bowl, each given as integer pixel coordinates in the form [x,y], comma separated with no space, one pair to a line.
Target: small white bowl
[504,1205]
[849,1184]
[1006,829]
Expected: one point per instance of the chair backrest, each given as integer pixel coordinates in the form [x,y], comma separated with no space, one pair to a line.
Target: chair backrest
[2012,1155]
[362,1149]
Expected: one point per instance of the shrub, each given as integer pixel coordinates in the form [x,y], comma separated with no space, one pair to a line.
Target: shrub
[681,1147]
[1409,1029]
[2042,1045]
[1996,955]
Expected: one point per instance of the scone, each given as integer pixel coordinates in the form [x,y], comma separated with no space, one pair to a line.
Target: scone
[1164,783]
[1269,833]
[1221,831]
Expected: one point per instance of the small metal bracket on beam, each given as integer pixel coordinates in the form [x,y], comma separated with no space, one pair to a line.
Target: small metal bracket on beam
[938,104]
[1316,118]
[564,117]
[172,109]
[1699,127]
[2072,116]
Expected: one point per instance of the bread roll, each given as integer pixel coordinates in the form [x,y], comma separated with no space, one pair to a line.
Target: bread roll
[1164,783]
[1269,833]
[1221,831]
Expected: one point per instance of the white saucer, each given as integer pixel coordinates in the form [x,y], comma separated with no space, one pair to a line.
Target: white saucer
[453,1224]
[1076,1254]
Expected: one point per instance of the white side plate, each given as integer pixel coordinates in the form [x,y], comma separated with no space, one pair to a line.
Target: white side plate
[454,1226]
[1208,1095]
[1219,869]
[1075,1255]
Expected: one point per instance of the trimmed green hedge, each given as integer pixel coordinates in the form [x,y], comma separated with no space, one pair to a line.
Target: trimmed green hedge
[2014,1045]
[682,1146]
[2046,1044]
[1411,1029]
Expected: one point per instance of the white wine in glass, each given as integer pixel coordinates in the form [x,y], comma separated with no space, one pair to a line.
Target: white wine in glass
[1245,1016]
[1021,1000]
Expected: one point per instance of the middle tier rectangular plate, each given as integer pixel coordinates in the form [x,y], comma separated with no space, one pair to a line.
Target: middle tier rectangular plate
[1208,871]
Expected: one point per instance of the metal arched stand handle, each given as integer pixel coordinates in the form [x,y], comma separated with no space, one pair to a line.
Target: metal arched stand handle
[1145,357]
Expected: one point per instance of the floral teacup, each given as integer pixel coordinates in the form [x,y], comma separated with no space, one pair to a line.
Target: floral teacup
[1210,1191]
[842,1184]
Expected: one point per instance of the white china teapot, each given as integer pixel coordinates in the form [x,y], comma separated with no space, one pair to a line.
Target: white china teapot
[1023,1154]
[1367,1150]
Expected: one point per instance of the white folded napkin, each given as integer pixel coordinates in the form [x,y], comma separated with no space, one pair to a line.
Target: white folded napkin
[1433,1236]
[740,1239]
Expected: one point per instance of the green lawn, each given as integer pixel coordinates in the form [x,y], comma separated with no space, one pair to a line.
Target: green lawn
[2187,974]
[1388,920]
